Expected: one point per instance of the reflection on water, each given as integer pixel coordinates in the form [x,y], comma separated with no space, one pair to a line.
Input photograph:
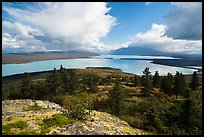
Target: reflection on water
[130,66]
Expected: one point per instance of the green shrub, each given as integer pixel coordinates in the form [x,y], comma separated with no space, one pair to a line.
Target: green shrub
[77,112]
[33,107]
[77,106]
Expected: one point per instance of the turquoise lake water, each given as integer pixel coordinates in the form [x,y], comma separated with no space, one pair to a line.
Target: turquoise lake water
[130,66]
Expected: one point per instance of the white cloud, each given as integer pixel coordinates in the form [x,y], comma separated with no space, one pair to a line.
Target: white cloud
[17,28]
[18,36]
[185,21]
[8,41]
[187,5]
[74,25]
[155,38]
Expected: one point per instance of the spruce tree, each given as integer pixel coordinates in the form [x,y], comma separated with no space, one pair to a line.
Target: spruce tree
[114,97]
[156,80]
[179,84]
[65,78]
[186,111]
[61,71]
[147,84]
[61,67]
[74,82]
[26,84]
[117,84]
[136,81]
[194,82]
[167,84]
[53,82]
[170,78]
[191,115]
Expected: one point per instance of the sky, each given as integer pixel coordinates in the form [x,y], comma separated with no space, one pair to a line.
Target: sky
[101,27]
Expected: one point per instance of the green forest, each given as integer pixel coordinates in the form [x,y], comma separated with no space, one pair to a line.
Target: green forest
[166,105]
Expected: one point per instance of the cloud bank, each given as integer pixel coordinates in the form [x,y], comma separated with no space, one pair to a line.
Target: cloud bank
[185,21]
[50,26]
[155,38]
[58,26]
[16,35]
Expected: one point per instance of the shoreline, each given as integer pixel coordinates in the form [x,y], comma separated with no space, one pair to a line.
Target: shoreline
[200,70]
[44,60]
[34,57]
[45,73]
[183,63]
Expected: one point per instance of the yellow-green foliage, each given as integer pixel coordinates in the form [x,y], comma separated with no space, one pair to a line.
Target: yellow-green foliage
[57,120]
[77,106]
[33,107]
[6,129]
[135,121]
[28,133]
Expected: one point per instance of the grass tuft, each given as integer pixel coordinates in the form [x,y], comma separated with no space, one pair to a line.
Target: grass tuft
[6,129]
[57,120]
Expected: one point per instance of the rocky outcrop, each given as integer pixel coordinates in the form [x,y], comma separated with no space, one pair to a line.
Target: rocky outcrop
[98,123]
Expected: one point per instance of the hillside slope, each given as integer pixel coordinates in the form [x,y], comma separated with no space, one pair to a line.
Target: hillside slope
[20,117]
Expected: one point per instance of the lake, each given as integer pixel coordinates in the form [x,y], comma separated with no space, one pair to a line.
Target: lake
[130,66]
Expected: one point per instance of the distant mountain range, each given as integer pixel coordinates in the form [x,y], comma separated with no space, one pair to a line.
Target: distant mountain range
[186,59]
[144,51]
[137,51]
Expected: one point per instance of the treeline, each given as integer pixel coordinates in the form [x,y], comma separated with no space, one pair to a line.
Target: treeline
[59,82]
[65,81]
[163,104]
[160,114]
[171,85]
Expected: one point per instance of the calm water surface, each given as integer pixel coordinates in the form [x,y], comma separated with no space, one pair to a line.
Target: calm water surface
[130,66]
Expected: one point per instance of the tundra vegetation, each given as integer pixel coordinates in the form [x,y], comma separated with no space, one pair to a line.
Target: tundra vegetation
[158,104]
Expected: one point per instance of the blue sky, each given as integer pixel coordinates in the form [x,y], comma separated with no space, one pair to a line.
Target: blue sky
[28,26]
[133,18]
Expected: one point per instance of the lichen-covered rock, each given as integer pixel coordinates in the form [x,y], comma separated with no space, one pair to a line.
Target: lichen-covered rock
[98,123]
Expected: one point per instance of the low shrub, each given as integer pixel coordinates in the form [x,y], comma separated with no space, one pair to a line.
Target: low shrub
[33,107]
[134,121]
[58,99]
[77,106]
[100,102]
